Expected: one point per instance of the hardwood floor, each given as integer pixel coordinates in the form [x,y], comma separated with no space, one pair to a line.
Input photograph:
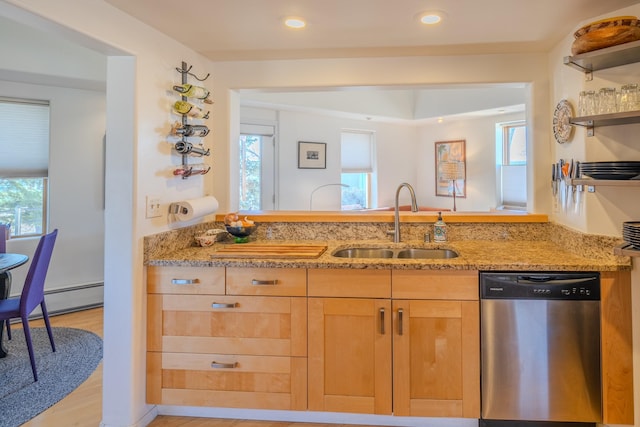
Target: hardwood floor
[83,407]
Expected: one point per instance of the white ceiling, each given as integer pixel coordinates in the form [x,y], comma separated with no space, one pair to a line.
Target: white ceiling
[253,30]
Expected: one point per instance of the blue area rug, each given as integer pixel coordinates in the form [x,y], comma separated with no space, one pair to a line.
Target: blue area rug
[78,353]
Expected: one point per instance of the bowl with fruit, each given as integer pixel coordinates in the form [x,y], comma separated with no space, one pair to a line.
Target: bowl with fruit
[241,229]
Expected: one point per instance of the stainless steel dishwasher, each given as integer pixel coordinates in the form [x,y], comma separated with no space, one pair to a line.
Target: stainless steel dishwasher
[540,348]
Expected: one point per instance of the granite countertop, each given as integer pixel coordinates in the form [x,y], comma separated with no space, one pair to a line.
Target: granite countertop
[473,255]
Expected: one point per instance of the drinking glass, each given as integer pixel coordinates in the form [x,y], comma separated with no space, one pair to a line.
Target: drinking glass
[591,103]
[628,97]
[582,100]
[607,100]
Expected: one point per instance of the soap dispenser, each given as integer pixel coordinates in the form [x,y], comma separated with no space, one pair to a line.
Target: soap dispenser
[440,230]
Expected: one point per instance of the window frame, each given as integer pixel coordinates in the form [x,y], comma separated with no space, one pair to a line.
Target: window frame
[506,146]
[42,175]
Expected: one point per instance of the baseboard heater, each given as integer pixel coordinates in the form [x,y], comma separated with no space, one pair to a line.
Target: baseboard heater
[72,298]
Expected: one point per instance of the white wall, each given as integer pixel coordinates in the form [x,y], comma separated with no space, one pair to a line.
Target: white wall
[395,146]
[530,70]
[405,153]
[76,180]
[480,143]
[605,210]
[141,70]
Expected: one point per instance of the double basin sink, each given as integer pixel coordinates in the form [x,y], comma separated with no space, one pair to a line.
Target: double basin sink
[401,253]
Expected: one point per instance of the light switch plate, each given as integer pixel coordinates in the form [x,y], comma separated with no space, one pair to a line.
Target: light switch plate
[153,207]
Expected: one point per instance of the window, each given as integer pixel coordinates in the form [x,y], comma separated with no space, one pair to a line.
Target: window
[514,141]
[357,163]
[513,165]
[256,167]
[24,165]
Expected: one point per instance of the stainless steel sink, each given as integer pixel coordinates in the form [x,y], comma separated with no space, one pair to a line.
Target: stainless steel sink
[422,253]
[402,253]
[364,253]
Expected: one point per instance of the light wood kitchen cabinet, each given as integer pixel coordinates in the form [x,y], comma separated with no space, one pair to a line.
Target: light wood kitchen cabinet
[207,348]
[617,347]
[417,334]
[350,341]
[436,344]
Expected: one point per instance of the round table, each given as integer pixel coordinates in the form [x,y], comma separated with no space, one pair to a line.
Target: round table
[8,261]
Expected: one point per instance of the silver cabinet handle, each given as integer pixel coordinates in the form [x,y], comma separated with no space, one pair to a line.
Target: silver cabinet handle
[184,281]
[224,305]
[218,365]
[382,321]
[264,282]
[400,313]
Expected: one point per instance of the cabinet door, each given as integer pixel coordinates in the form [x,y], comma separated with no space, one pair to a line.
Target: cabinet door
[436,358]
[350,355]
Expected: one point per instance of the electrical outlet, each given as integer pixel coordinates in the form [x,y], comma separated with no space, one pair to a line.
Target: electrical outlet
[153,207]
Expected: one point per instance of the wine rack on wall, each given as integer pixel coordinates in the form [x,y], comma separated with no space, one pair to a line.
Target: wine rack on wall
[190,124]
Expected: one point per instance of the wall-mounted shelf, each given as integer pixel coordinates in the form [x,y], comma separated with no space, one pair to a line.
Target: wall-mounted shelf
[611,119]
[591,183]
[626,249]
[614,56]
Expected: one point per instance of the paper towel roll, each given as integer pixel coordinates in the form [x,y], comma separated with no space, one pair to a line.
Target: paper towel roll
[196,208]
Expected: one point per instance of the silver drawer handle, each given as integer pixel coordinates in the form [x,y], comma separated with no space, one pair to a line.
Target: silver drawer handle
[218,365]
[224,305]
[264,282]
[184,281]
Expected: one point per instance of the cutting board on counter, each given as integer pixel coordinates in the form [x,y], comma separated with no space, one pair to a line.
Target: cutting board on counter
[270,251]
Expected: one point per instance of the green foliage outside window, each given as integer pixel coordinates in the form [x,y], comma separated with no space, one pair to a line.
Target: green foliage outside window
[250,172]
[22,205]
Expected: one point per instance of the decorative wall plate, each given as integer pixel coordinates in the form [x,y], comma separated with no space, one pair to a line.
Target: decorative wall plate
[562,128]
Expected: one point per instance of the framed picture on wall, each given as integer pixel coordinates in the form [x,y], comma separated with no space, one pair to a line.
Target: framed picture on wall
[312,155]
[450,168]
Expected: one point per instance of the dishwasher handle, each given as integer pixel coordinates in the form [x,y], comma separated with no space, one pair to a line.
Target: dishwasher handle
[555,280]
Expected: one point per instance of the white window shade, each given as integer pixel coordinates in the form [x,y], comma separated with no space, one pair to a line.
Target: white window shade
[251,129]
[356,150]
[24,138]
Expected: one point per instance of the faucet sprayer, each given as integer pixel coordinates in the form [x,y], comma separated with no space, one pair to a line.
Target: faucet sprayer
[396,218]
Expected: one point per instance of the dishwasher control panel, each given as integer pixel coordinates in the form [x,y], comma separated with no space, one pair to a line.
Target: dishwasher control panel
[560,286]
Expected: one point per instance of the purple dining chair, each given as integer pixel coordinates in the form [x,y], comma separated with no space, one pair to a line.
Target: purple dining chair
[32,296]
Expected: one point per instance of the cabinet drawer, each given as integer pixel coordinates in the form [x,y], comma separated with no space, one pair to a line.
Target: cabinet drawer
[267,281]
[221,380]
[429,284]
[185,280]
[273,326]
[349,283]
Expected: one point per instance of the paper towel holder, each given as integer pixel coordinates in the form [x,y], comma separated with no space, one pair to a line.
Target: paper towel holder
[177,208]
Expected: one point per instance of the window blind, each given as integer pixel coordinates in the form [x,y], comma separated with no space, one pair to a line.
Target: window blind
[356,151]
[24,138]
[262,130]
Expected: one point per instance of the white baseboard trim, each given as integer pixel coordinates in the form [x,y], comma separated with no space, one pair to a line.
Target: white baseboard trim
[73,298]
[142,422]
[314,417]
[70,299]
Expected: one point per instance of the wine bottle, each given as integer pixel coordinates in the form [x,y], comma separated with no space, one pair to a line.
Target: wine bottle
[184,147]
[178,129]
[184,107]
[192,91]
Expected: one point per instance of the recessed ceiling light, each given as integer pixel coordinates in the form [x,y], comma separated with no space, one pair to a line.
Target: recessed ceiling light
[431,17]
[440,120]
[294,22]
